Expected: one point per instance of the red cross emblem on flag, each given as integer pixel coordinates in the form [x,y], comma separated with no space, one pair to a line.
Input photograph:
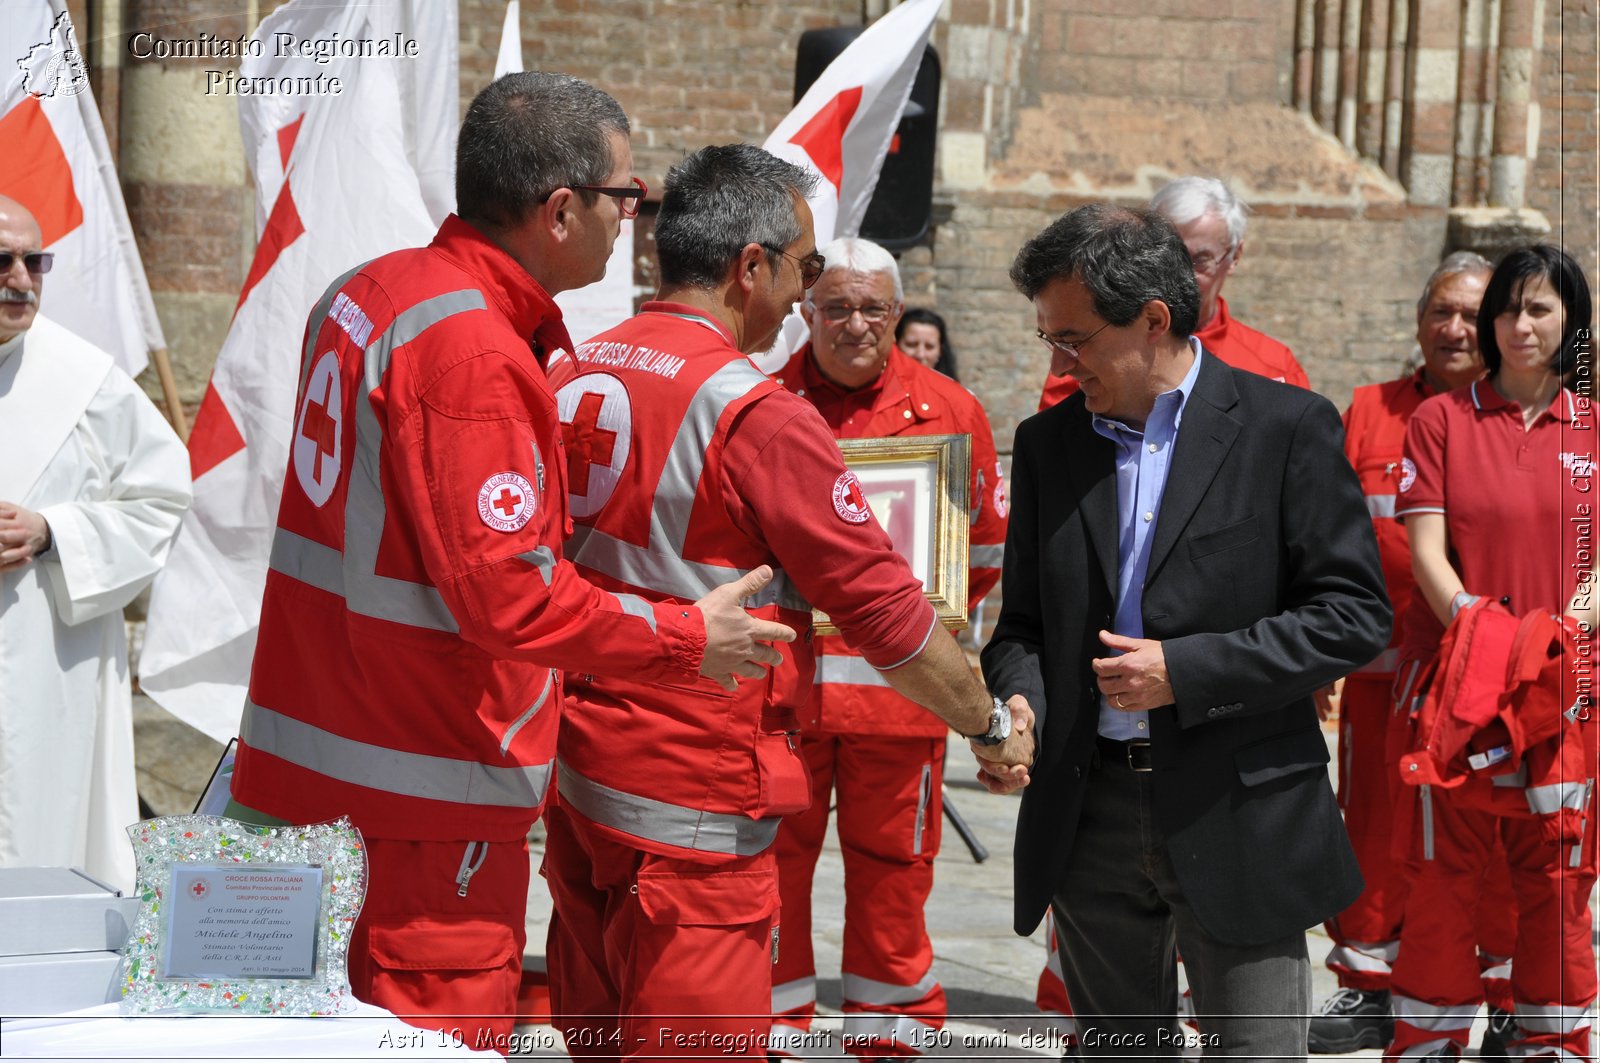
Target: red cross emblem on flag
[506,501]
[848,501]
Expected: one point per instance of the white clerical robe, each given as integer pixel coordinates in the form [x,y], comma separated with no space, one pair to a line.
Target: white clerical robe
[83,446]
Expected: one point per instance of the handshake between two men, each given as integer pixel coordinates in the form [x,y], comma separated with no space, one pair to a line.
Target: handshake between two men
[937,677]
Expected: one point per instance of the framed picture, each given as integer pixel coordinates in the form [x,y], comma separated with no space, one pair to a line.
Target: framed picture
[916,487]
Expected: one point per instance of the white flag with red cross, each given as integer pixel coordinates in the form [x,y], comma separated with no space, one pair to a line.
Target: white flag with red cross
[842,129]
[340,179]
[57,163]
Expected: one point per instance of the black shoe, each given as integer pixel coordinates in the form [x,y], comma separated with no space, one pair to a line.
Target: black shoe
[1352,1019]
[1502,1028]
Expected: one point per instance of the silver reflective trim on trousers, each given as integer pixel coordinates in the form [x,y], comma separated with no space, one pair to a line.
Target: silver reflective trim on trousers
[367,593]
[394,771]
[660,566]
[520,721]
[798,993]
[1552,1018]
[1436,1018]
[852,670]
[859,990]
[1425,795]
[658,821]
[986,556]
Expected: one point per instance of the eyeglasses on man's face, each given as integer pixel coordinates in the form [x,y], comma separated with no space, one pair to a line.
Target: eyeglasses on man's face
[628,197]
[839,313]
[811,266]
[1069,348]
[35,262]
[1207,262]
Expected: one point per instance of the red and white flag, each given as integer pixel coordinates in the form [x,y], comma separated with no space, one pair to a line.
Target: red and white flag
[57,164]
[842,128]
[340,179]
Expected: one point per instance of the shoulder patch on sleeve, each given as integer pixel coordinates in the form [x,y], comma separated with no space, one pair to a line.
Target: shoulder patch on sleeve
[1408,474]
[848,501]
[506,501]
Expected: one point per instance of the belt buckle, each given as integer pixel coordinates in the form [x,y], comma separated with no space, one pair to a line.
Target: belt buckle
[1137,744]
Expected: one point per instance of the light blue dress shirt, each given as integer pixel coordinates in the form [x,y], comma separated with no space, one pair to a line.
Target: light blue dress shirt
[1143,460]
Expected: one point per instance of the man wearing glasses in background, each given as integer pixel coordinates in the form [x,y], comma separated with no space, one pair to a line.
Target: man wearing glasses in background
[1211,221]
[418,614]
[687,463]
[93,483]
[880,752]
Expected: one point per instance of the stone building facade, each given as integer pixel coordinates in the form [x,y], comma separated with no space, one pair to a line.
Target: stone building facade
[1369,136]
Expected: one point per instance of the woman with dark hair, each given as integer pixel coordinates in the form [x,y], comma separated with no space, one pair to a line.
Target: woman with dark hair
[1494,492]
[922,335]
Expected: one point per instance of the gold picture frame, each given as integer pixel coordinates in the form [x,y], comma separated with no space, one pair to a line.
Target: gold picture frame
[917,488]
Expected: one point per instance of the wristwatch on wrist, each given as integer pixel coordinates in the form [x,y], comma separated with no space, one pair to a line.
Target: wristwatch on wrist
[999,726]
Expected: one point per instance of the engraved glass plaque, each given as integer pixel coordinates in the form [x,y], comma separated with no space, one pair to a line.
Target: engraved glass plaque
[236,917]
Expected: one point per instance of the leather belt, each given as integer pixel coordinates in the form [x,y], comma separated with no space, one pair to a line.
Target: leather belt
[1135,753]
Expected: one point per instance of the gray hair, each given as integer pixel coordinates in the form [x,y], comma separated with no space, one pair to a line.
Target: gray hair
[527,135]
[1455,262]
[721,199]
[1124,256]
[1184,199]
[856,255]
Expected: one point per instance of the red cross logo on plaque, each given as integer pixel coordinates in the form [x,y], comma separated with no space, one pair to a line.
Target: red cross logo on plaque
[199,888]
[506,501]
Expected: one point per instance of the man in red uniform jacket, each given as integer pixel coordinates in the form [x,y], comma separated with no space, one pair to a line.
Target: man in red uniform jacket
[687,464]
[1211,220]
[417,609]
[882,754]
[1366,936]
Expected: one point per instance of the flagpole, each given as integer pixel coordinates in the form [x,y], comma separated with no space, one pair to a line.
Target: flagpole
[169,391]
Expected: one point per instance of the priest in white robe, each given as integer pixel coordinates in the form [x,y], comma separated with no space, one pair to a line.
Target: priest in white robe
[93,483]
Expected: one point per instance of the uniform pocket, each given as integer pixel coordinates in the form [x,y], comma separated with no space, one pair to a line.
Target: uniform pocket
[707,898]
[443,943]
[784,781]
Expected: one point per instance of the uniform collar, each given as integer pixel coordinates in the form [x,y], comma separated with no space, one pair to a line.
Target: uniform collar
[898,385]
[1218,325]
[689,313]
[1486,399]
[502,279]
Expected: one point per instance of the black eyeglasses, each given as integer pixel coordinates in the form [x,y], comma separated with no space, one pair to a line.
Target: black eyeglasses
[628,198]
[35,262]
[1069,348]
[811,266]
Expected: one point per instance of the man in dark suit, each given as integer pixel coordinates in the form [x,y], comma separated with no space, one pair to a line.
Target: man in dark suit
[1189,559]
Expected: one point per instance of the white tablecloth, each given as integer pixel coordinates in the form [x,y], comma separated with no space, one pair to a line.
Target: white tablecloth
[99,1033]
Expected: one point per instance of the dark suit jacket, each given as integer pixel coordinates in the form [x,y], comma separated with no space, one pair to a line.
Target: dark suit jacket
[1263,585]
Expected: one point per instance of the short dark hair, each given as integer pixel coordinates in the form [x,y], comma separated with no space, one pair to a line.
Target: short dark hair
[918,315]
[1124,256]
[1511,276]
[527,135]
[720,199]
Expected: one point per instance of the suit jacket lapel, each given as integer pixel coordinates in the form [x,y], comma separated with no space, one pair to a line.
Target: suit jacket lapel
[1204,439]
[1090,460]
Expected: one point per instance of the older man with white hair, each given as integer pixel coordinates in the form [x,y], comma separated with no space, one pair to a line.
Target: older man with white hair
[1211,221]
[881,753]
[92,487]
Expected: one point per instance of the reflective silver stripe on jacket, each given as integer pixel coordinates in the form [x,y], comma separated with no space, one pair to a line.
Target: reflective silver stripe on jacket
[986,556]
[352,574]
[1547,800]
[1380,505]
[658,821]
[853,670]
[462,782]
[660,566]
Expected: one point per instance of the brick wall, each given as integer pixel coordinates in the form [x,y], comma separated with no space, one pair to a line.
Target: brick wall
[1564,185]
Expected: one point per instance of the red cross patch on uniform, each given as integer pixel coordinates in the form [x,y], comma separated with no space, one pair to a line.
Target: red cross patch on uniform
[1408,474]
[848,501]
[317,448]
[1001,504]
[506,501]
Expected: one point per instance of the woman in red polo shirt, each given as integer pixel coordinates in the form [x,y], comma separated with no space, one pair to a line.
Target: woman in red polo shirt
[1495,494]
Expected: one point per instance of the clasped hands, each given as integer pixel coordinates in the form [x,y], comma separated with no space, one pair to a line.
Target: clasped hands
[23,535]
[1004,768]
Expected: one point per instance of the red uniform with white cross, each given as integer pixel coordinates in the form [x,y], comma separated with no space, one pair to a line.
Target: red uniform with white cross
[687,466]
[1366,935]
[1517,506]
[880,752]
[417,608]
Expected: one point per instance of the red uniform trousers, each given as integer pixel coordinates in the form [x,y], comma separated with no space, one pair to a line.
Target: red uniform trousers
[437,959]
[890,818]
[641,941]
[1436,989]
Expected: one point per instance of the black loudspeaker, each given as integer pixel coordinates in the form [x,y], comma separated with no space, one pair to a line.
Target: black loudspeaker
[902,204]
